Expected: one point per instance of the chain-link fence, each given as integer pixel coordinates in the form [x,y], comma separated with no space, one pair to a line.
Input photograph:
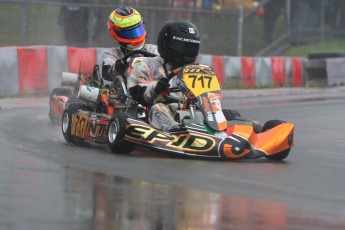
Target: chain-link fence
[234,33]
[288,23]
[45,23]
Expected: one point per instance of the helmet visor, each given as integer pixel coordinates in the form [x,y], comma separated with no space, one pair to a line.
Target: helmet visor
[131,33]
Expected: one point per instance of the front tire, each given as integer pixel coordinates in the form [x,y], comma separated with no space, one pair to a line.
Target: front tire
[279,156]
[231,114]
[116,134]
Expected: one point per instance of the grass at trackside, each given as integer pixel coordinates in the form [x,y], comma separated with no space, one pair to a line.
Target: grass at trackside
[330,46]
[326,46]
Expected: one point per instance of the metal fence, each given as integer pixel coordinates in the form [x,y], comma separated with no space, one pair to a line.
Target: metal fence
[299,22]
[233,33]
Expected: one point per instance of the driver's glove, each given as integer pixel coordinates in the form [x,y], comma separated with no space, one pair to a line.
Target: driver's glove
[120,66]
[162,85]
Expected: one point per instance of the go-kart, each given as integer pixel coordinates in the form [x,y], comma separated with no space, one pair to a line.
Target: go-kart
[209,131]
[67,93]
[71,82]
[57,102]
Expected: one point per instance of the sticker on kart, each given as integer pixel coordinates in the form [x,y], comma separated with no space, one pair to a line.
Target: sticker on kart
[79,123]
[200,79]
[212,111]
[82,127]
[192,142]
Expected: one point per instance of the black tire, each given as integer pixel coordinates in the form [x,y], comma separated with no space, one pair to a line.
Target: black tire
[271,124]
[234,114]
[116,134]
[267,126]
[73,99]
[67,123]
[62,92]
[231,114]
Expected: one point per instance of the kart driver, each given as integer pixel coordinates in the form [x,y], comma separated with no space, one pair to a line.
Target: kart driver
[126,27]
[178,44]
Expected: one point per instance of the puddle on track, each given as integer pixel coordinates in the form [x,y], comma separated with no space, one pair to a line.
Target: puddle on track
[40,195]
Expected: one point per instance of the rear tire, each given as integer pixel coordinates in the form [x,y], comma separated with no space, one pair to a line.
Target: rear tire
[67,123]
[73,99]
[279,156]
[62,92]
[116,134]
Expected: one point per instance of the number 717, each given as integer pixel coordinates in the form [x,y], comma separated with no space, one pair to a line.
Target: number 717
[201,79]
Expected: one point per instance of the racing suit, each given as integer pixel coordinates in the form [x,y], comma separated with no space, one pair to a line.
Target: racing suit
[110,56]
[142,82]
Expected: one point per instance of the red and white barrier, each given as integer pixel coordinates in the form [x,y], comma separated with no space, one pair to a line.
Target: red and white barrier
[9,80]
[38,69]
[254,72]
[32,70]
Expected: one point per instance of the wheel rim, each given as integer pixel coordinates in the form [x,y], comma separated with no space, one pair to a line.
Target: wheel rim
[65,123]
[112,132]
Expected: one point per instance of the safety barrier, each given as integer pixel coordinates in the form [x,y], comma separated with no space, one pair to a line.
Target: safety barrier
[38,69]
[326,70]
[255,72]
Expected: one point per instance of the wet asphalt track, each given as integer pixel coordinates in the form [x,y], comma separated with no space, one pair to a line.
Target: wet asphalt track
[46,184]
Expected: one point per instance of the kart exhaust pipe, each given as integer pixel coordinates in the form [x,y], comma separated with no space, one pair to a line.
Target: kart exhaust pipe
[69,79]
[88,93]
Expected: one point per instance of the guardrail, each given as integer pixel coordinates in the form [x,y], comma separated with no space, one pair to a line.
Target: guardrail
[38,69]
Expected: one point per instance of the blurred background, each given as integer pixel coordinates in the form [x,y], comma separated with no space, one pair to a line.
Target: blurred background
[228,27]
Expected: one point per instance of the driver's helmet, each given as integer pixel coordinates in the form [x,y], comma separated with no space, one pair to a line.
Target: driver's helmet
[178,42]
[126,27]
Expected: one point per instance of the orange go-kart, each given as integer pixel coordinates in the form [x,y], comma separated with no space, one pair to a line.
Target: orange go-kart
[208,132]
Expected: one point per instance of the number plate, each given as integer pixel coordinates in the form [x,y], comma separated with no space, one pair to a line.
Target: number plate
[200,83]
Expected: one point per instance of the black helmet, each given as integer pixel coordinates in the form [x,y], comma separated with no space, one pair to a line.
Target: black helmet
[178,42]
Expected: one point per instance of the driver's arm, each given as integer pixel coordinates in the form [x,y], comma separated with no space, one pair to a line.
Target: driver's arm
[141,83]
[109,58]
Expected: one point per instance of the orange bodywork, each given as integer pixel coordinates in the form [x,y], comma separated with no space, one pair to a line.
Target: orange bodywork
[271,142]
[57,105]
[237,142]
[110,107]
[276,140]
[244,131]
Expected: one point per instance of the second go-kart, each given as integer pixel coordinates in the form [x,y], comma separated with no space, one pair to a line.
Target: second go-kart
[209,131]
[71,82]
